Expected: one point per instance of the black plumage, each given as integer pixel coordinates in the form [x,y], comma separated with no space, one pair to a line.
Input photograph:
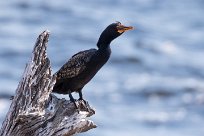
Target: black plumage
[82,67]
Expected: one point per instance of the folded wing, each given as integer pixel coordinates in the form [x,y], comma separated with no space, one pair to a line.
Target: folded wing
[75,65]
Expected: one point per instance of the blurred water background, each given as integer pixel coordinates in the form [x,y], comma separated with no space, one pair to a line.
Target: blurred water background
[154,81]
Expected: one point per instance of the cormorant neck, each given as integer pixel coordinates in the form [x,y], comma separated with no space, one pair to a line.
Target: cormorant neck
[103,46]
[104,41]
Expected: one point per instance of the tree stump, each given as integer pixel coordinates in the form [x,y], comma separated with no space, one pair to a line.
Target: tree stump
[34,111]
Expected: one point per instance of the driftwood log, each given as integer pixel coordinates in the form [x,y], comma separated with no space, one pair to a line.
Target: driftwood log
[34,111]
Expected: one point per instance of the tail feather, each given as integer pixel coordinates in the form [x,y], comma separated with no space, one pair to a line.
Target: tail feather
[57,88]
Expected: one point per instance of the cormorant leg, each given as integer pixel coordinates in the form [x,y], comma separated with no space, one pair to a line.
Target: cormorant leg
[81,98]
[80,95]
[73,100]
[71,97]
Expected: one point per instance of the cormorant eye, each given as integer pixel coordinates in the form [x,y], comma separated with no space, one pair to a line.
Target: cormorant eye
[118,23]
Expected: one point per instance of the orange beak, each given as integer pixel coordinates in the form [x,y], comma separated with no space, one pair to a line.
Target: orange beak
[121,28]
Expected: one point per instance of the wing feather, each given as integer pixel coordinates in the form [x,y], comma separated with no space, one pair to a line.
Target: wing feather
[75,65]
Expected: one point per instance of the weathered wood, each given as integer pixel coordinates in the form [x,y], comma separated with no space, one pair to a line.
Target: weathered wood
[36,112]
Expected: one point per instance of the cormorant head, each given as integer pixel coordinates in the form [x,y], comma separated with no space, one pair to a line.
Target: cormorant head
[111,32]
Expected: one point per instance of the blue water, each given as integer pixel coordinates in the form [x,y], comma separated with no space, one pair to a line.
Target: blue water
[154,81]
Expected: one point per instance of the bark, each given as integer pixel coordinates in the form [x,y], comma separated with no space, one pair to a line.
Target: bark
[35,111]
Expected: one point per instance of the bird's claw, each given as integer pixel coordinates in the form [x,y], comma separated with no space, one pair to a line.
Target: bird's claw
[84,105]
[83,101]
[75,103]
[80,105]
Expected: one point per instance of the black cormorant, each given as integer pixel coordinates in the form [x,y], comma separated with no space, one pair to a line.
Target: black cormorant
[82,67]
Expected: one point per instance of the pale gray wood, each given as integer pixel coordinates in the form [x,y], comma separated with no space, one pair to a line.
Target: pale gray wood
[36,112]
